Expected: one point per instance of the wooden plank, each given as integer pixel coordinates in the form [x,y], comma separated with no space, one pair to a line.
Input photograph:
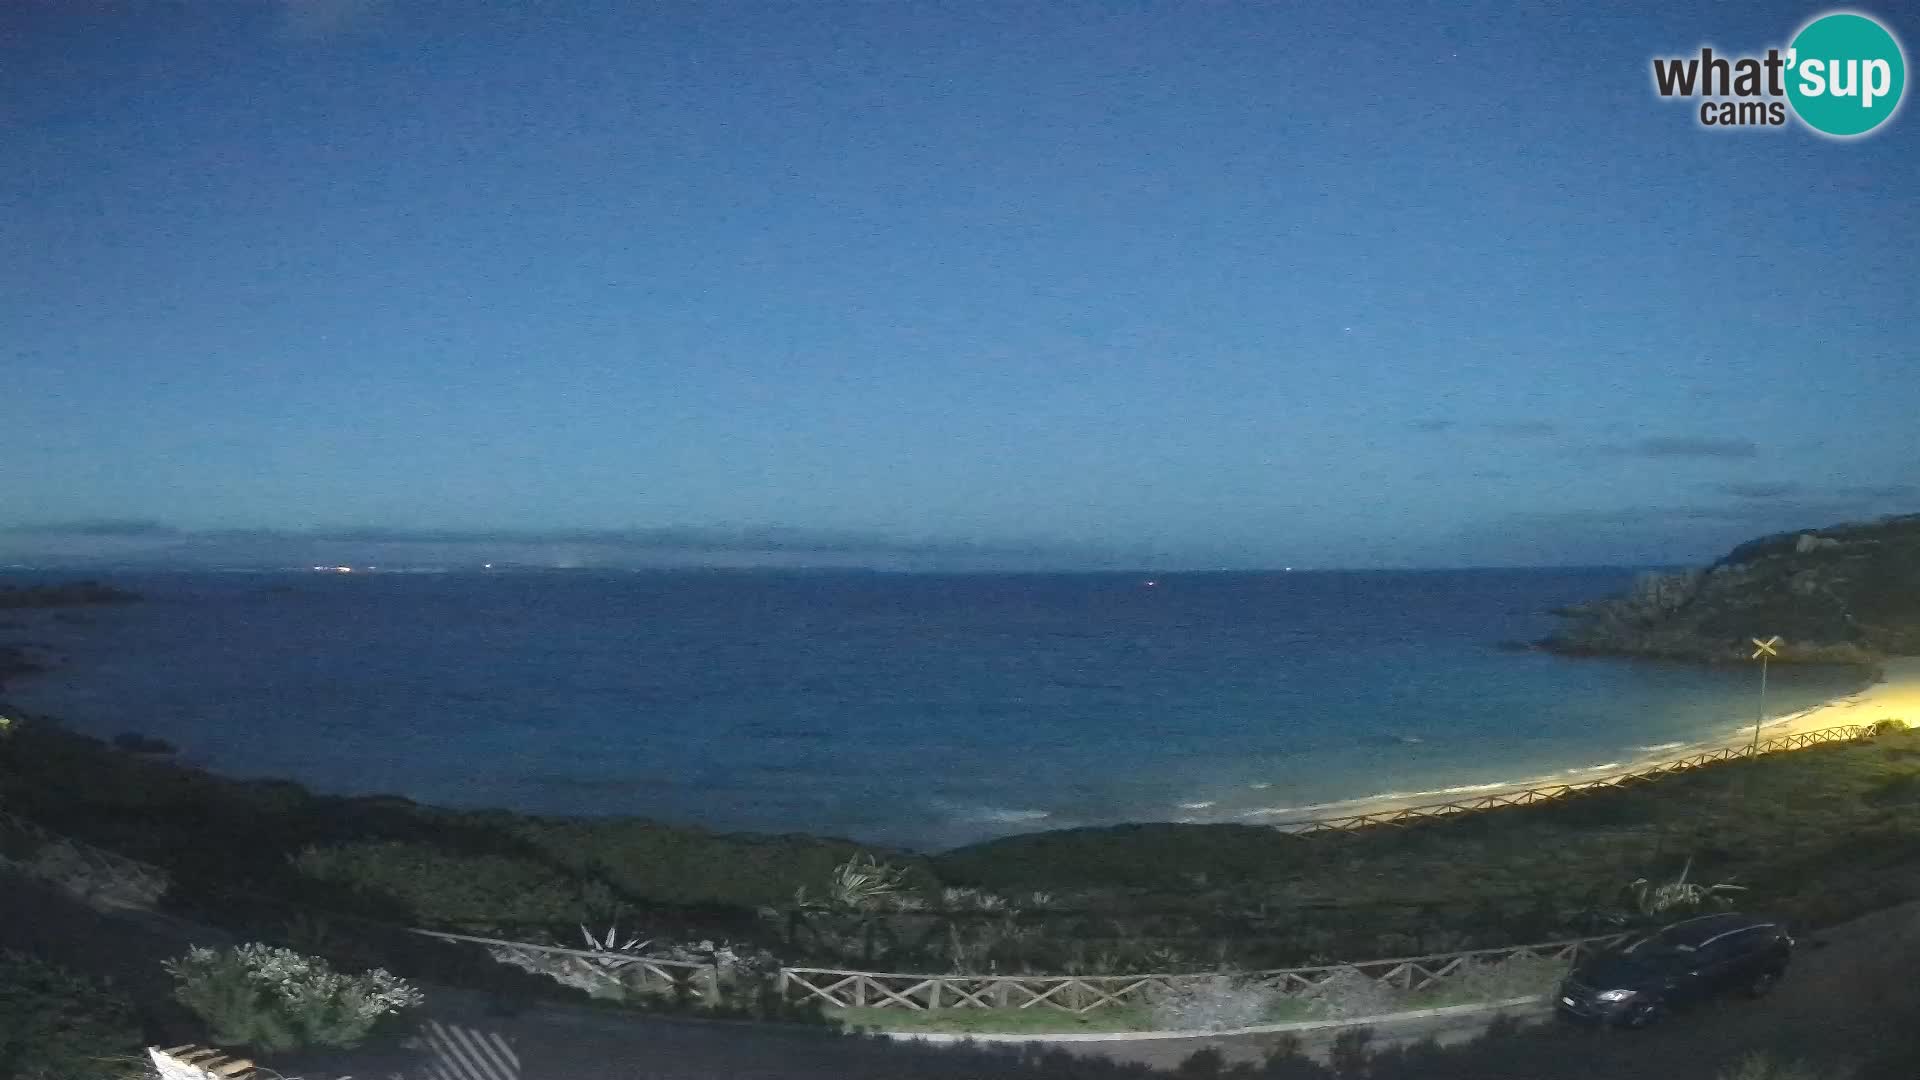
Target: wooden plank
[904,997]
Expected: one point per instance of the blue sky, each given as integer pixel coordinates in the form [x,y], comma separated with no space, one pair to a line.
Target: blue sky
[1091,283]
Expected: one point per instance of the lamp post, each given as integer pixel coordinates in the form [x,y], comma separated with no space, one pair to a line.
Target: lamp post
[1763,651]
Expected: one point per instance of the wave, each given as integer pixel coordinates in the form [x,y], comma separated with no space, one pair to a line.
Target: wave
[1385,796]
[1433,794]
[1196,805]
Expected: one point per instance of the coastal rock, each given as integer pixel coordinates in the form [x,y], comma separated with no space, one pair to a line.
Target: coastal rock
[1848,594]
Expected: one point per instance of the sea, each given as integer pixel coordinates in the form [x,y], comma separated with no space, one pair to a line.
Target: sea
[917,711]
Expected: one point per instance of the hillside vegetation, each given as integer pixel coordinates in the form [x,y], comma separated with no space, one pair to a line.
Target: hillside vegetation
[1846,594]
[1816,835]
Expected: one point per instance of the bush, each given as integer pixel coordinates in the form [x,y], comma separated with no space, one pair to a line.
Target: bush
[473,891]
[1889,726]
[64,864]
[1350,993]
[276,999]
[56,1025]
[1501,980]
[134,742]
[1214,1003]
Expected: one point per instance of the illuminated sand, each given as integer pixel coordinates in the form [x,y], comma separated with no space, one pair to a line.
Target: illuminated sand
[1896,696]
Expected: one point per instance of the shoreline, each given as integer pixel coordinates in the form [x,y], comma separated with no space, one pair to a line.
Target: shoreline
[1894,695]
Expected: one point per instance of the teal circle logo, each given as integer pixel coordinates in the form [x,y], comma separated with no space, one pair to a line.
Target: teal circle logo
[1845,74]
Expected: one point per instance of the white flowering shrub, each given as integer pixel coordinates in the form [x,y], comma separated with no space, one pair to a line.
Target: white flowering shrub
[1349,993]
[119,882]
[1500,980]
[1214,1003]
[274,999]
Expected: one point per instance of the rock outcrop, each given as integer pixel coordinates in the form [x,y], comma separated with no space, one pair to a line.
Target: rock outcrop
[1849,594]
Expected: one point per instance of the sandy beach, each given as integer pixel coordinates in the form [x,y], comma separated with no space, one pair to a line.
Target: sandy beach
[1895,696]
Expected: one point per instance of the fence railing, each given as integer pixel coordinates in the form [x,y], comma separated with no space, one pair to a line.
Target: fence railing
[1547,793]
[1081,994]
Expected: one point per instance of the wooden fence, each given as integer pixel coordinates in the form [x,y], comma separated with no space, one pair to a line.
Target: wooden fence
[1530,796]
[1081,994]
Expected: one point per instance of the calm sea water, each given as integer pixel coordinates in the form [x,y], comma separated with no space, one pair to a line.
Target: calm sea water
[924,711]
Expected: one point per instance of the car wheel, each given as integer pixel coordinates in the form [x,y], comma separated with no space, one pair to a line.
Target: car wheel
[1645,1014]
[1763,984]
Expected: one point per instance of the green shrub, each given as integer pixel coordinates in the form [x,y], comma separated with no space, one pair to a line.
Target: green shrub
[1891,725]
[69,866]
[56,1025]
[276,999]
[1214,1003]
[445,888]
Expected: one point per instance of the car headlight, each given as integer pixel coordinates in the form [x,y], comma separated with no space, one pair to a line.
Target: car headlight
[1614,995]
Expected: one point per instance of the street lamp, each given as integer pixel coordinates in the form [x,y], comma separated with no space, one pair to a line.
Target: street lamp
[1763,651]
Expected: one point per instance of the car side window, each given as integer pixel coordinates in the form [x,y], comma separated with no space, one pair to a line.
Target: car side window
[1729,947]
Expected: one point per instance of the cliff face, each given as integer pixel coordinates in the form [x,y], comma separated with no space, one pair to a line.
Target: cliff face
[1845,594]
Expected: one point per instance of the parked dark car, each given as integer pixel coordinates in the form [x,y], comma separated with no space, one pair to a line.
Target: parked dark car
[1642,979]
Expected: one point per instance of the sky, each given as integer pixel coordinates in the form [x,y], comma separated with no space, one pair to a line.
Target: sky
[918,284]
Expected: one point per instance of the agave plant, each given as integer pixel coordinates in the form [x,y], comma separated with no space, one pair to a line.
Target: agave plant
[1678,894]
[612,944]
[862,883]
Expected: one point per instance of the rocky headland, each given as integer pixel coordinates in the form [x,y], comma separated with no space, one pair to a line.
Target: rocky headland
[1846,594]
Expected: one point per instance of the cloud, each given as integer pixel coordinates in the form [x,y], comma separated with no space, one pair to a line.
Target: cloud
[1686,446]
[156,544]
[666,538]
[1845,496]
[1670,534]
[1523,428]
[1880,491]
[104,528]
[1758,489]
[1508,428]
